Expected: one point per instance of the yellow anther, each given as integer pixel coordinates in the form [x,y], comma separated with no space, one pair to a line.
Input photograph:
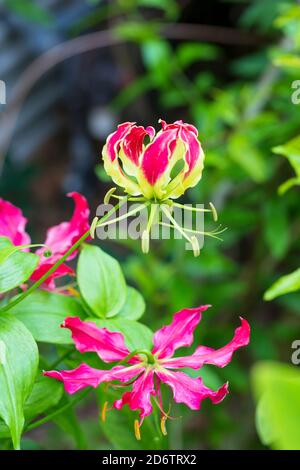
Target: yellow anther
[103,412]
[108,195]
[195,245]
[137,430]
[213,211]
[163,425]
[73,291]
[93,227]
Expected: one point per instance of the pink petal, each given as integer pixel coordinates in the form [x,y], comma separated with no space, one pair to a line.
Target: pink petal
[61,237]
[114,139]
[43,268]
[140,396]
[132,142]
[193,148]
[190,391]
[12,223]
[179,333]
[157,155]
[219,357]
[88,337]
[86,376]
[188,134]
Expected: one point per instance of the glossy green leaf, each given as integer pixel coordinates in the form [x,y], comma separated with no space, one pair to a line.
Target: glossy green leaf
[134,306]
[16,266]
[101,281]
[18,368]
[277,389]
[43,312]
[284,285]
[137,335]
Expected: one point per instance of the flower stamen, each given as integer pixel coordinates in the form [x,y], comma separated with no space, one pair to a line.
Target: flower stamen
[137,430]
[103,412]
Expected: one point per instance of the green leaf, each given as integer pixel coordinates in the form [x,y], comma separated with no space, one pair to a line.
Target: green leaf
[46,393]
[277,390]
[18,367]
[101,281]
[191,52]
[284,285]
[137,335]
[134,306]
[291,150]
[16,266]
[43,312]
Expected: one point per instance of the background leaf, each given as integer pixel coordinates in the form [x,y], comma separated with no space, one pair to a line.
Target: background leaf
[137,335]
[284,285]
[43,312]
[101,281]
[17,268]
[18,367]
[134,306]
[277,387]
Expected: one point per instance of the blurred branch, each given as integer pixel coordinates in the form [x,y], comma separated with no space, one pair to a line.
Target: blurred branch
[207,33]
[93,41]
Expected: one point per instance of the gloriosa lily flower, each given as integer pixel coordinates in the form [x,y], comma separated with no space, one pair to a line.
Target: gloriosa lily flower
[155,169]
[145,370]
[146,169]
[58,239]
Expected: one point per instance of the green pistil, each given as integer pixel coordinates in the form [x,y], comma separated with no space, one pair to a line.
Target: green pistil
[139,352]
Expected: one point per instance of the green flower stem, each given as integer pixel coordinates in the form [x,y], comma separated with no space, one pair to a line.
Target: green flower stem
[57,264]
[55,413]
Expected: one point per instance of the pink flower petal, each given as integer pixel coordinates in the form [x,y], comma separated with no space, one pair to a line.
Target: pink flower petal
[43,268]
[190,391]
[61,237]
[12,223]
[219,357]
[88,337]
[179,333]
[114,139]
[188,134]
[157,155]
[140,396]
[132,142]
[86,376]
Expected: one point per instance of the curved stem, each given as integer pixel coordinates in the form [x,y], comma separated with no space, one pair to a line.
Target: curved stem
[56,265]
[136,352]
